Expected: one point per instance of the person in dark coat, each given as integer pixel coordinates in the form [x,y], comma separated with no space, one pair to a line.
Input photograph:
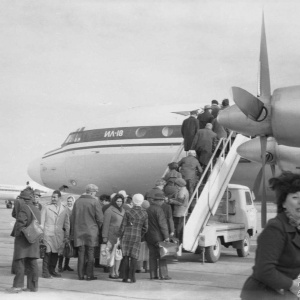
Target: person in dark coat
[189,168]
[215,108]
[277,258]
[203,144]
[133,228]
[189,128]
[159,186]
[205,117]
[25,252]
[113,218]
[157,232]
[170,189]
[86,222]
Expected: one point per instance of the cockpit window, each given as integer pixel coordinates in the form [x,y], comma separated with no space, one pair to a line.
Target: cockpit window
[73,138]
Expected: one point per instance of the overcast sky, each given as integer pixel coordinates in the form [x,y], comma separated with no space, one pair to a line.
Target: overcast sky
[64,63]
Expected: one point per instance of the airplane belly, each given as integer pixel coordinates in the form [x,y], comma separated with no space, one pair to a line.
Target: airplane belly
[134,169]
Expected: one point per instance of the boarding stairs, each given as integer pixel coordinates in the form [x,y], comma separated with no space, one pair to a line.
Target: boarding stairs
[208,196]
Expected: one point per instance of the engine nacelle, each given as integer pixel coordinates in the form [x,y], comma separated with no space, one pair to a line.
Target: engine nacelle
[285,116]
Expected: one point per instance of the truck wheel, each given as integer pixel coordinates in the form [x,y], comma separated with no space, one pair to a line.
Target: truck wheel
[244,246]
[212,253]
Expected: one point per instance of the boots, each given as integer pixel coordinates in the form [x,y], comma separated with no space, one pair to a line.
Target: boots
[60,261]
[97,263]
[125,268]
[66,266]
[46,273]
[132,268]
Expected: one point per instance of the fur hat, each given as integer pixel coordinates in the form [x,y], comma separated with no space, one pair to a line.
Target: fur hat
[214,102]
[26,194]
[138,199]
[207,107]
[173,165]
[180,182]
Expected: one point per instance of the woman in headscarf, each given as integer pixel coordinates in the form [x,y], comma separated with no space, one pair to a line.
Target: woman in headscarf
[25,253]
[70,204]
[277,259]
[133,228]
[113,218]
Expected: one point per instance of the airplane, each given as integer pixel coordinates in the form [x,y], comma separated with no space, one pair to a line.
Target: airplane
[272,118]
[128,151]
[11,192]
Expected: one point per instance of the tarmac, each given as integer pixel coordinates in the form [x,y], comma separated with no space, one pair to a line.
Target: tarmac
[191,278]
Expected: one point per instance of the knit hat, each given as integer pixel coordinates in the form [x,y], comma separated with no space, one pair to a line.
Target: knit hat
[91,188]
[138,199]
[180,182]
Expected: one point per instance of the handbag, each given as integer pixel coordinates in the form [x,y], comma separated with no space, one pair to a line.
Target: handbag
[104,255]
[68,251]
[43,249]
[167,249]
[118,254]
[33,231]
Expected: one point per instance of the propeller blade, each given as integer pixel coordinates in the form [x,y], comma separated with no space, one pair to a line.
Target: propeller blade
[263,143]
[257,183]
[251,106]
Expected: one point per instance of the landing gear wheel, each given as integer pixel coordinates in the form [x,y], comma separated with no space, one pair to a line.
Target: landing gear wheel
[244,246]
[212,253]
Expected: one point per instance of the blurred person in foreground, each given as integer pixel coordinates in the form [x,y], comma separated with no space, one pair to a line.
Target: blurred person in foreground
[25,253]
[86,222]
[277,259]
[157,232]
[133,228]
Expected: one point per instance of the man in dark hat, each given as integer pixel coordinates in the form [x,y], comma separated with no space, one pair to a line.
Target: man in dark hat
[215,108]
[205,117]
[36,200]
[189,128]
[157,232]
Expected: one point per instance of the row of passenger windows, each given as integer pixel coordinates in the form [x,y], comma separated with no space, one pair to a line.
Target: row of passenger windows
[125,133]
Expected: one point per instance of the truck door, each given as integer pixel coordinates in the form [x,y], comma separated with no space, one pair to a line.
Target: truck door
[251,212]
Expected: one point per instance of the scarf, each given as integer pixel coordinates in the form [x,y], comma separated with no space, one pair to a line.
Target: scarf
[292,220]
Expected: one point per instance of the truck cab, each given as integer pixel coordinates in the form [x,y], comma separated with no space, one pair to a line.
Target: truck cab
[233,224]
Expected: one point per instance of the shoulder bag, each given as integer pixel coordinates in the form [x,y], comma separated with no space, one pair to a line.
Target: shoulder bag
[34,231]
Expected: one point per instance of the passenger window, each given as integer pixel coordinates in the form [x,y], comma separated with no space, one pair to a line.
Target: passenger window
[141,132]
[248,198]
[167,131]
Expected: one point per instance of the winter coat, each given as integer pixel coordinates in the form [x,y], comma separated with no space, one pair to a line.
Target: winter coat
[157,224]
[204,118]
[203,143]
[277,261]
[181,203]
[151,193]
[86,220]
[188,167]
[56,224]
[133,227]
[17,206]
[189,128]
[22,248]
[111,224]
[219,129]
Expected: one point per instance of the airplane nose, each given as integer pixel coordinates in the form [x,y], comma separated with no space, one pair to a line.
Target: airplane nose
[34,171]
[251,150]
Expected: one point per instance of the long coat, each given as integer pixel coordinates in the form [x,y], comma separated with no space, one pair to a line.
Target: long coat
[277,261]
[157,224]
[189,166]
[22,247]
[202,143]
[112,222]
[56,224]
[17,206]
[86,220]
[133,227]
[189,128]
